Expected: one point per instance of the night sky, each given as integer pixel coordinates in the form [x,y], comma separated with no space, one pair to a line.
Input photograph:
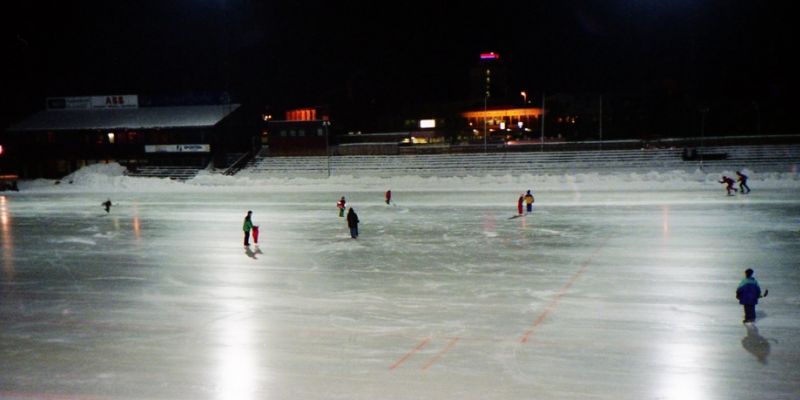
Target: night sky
[287,54]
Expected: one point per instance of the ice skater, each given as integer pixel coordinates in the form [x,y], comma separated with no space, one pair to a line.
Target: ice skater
[519,204]
[388,196]
[107,205]
[748,292]
[529,201]
[742,179]
[247,226]
[341,206]
[728,185]
[352,223]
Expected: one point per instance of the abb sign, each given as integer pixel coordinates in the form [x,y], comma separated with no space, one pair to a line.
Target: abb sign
[123,101]
[115,101]
[93,102]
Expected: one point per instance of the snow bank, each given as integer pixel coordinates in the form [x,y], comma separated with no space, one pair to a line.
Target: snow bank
[104,178]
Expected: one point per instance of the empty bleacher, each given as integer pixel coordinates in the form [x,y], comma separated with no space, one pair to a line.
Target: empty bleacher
[770,158]
[180,173]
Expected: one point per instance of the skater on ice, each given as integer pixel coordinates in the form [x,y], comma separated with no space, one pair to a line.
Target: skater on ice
[388,196]
[247,226]
[519,204]
[107,205]
[255,235]
[352,222]
[728,185]
[341,206]
[742,179]
[529,201]
[748,292]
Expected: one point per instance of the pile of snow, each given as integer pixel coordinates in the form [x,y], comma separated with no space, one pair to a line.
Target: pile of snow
[110,177]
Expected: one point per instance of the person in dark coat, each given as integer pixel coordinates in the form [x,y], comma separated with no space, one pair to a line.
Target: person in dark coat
[107,205]
[742,179]
[352,223]
[388,196]
[748,292]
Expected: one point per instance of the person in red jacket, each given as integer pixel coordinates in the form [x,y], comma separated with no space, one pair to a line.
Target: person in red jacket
[341,205]
[519,204]
[388,196]
[728,184]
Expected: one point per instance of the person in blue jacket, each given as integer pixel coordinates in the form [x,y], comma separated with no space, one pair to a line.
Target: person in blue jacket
[742,179]
[748,294]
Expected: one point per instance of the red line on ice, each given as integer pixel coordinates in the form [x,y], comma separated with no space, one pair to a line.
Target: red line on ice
[441,353]
[557,298]
[403,359]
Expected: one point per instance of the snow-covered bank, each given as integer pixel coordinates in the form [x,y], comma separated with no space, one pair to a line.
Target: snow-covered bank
[111,178]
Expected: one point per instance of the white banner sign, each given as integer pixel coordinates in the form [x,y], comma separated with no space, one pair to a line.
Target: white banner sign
[177,148]
[93,102]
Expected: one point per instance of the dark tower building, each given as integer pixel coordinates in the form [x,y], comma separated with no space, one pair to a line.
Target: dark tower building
[488,80]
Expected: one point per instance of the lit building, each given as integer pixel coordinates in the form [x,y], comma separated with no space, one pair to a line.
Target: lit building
[504,124]
[303,132]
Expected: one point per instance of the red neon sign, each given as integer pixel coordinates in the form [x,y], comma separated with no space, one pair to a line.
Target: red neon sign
[490,56]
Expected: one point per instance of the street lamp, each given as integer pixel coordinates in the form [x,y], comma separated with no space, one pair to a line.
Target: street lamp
[485,100]
[758,117]
[541,144]
[524,97]
[325,124]
[703,112]
[600,125]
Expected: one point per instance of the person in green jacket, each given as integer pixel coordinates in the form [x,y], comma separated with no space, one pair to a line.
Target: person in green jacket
[246,227]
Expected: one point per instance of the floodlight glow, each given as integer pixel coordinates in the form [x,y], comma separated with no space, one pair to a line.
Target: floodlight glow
[427,123]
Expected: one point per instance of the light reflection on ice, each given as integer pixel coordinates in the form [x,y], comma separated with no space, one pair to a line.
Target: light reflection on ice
[631,276]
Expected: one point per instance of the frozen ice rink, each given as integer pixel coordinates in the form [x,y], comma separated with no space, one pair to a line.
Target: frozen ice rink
[601,293]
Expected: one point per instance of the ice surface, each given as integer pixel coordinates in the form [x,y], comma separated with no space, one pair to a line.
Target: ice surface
[616,287]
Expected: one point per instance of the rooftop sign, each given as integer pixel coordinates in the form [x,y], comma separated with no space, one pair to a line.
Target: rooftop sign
[93,102]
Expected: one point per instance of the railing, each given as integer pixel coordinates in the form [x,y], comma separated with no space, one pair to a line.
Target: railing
[172,172]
